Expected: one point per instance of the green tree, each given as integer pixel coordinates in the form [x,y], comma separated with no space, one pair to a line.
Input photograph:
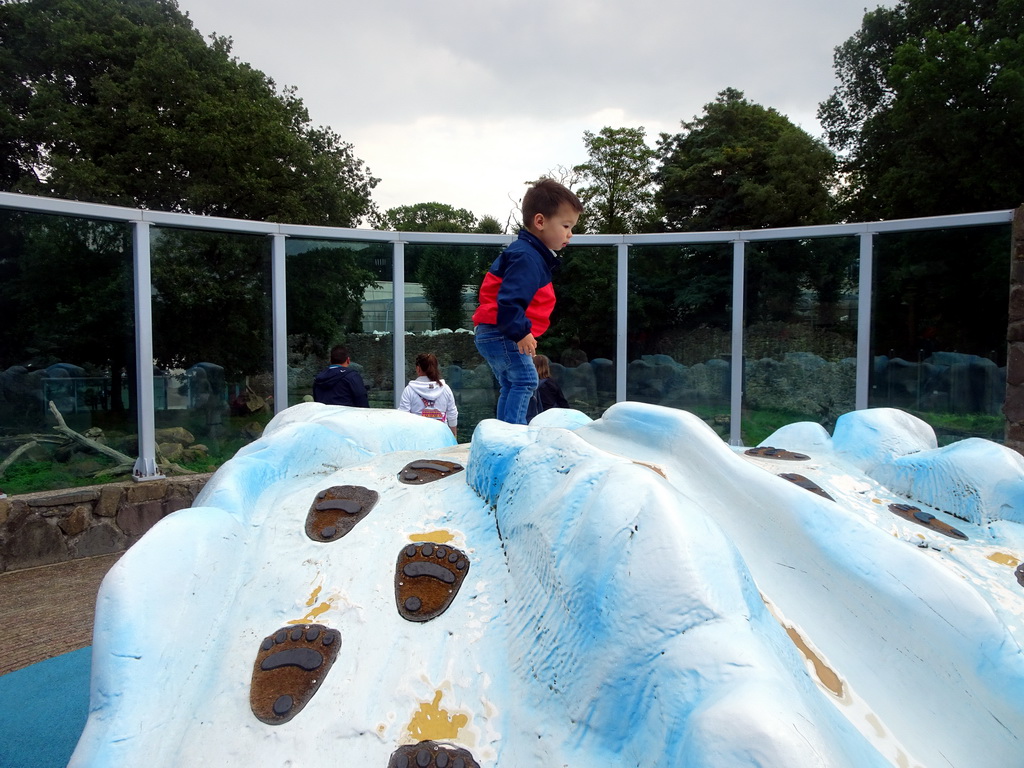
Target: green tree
[443,271]
[618,195]
[929,109]
[928,115]
[66,293]
[427,217]
[739,165]
[123,102]
[742,166]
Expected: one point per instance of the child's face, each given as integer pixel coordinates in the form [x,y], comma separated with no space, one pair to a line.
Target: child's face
[555,231]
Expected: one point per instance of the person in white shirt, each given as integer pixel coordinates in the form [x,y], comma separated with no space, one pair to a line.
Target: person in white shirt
[428,395]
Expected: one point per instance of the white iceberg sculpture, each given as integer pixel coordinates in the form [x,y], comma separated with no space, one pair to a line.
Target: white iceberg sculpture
[622,592]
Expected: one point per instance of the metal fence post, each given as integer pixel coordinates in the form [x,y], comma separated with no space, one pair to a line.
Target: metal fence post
[279,321]
[863,384]
[621,327]
[736,380]
[398,332]
[145,465]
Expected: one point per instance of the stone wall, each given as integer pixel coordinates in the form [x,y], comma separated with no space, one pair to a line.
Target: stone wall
[55,526]
[1013,408]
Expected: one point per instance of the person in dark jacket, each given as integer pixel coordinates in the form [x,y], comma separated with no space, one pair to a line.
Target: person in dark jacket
[517,297]
[338,384]
[549,394]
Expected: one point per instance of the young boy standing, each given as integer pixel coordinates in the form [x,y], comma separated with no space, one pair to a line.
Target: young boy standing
[516,296]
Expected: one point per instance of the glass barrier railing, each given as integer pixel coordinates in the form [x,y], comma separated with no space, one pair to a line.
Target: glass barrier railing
[934,343]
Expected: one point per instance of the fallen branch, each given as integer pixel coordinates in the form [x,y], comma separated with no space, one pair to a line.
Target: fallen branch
[31,438]
[106,450]
[14,455]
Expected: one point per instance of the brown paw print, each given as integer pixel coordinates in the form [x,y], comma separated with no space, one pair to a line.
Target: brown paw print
[336,511]
[427,578]
[806,483]
[767,452]
[289,668]
[428,754]
[927,519]
[427,470]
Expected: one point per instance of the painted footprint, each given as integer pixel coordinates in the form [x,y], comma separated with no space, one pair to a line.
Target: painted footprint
[806,483]
[428,754]
[427,578]
[289,668]
[337,510]
[927,519]
[427,470]
[767,452]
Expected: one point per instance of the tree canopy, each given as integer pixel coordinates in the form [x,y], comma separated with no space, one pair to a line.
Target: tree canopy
[742,166]
[427,217]
[443,271]
[929,109]
[617,194]
[124,102]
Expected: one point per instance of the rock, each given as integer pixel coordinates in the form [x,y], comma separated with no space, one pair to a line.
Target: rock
[76,522]
[101,539]
[136,519]
[170,451]
[106,505]
[37,543]
[175,435]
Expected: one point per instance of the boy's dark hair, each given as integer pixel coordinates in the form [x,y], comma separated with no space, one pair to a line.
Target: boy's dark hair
[339,354]
[545,197]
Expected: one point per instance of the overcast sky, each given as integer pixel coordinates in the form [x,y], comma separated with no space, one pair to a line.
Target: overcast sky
[462,101]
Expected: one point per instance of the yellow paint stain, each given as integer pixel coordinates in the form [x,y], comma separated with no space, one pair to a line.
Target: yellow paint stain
[655,467]
[313,597]
[435,537]
[877,501]
[314,613]
[430,722]
[826,676]
[1004,559]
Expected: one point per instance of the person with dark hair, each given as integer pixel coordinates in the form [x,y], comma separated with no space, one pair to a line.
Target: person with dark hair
[338,384]
[549,394]
[428,395]
[517,297]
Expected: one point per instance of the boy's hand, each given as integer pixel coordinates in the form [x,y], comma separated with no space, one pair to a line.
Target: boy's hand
[527,345]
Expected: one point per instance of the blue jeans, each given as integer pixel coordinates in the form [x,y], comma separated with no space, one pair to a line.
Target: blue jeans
[515,372]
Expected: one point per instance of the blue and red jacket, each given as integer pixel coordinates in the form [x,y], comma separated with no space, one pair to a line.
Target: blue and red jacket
[516,294]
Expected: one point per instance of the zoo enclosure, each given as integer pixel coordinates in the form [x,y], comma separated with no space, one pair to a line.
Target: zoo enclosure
[658,364]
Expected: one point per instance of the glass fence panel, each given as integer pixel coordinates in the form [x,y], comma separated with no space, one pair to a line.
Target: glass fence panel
[340,293]
[939,320]
[212,344]
[680,319]
[580,343]
[67,352]
[441,285]
[800,333]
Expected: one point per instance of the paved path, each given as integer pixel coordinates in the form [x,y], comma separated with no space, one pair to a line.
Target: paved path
[48,611]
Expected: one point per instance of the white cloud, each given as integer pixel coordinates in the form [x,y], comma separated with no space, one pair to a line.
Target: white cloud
[462,101]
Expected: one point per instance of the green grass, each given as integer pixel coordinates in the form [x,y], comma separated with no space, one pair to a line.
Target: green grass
[757,426]
[32,476]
